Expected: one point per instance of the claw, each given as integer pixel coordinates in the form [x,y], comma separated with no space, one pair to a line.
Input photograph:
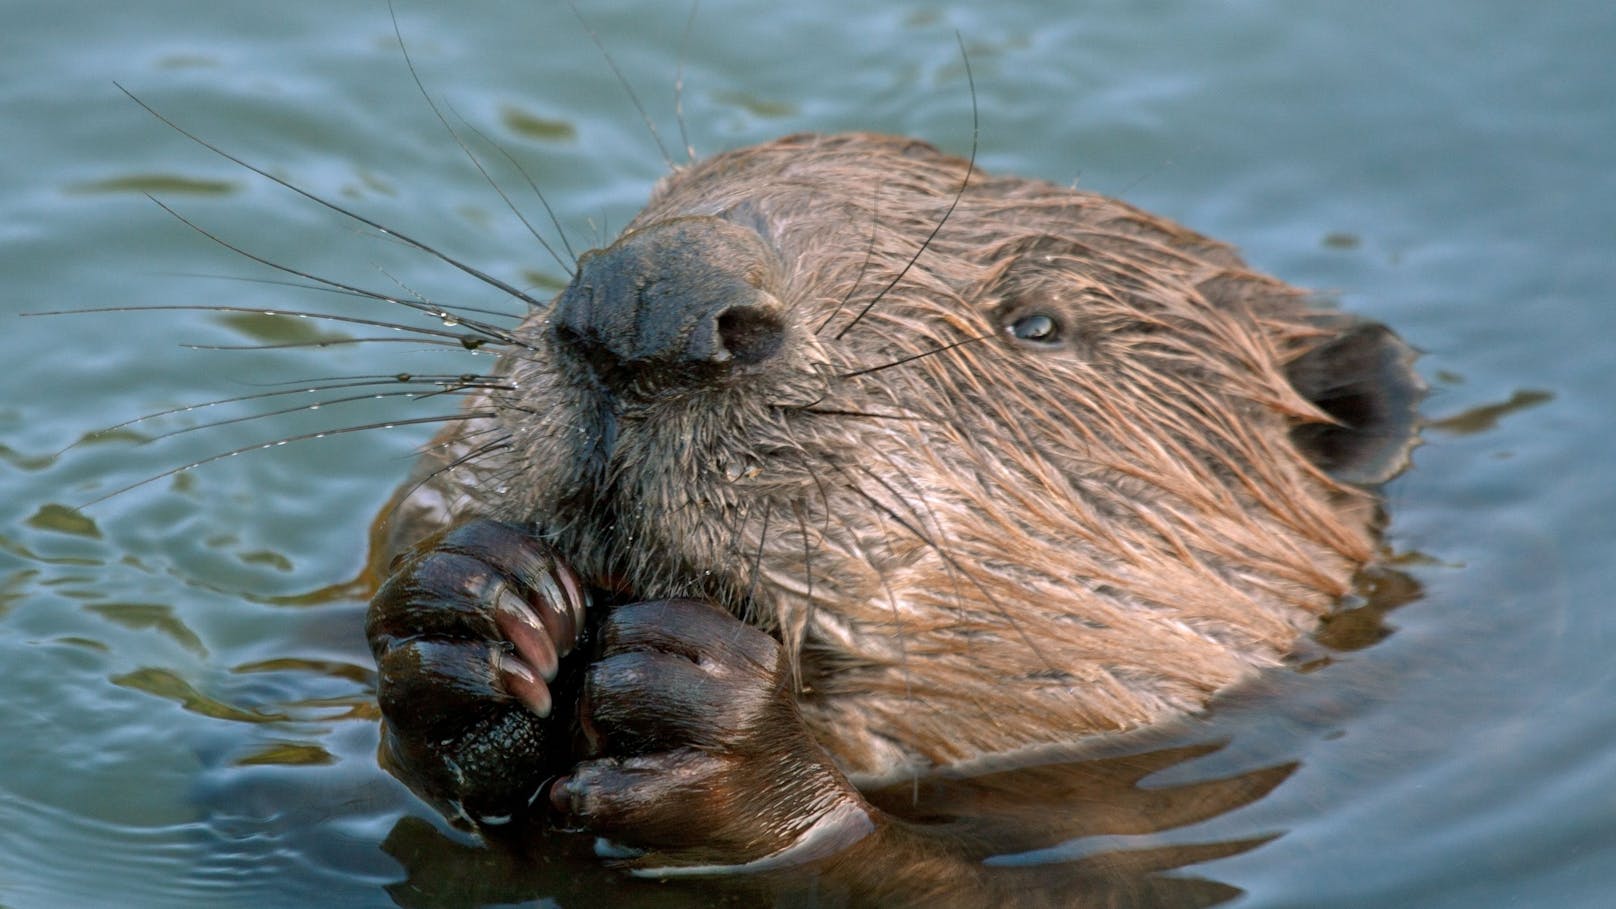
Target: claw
[523,626]
[561,796]
[549,602]
[574,596]
[520,681]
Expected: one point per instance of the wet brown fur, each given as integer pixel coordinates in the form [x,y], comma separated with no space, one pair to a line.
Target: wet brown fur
[981,545]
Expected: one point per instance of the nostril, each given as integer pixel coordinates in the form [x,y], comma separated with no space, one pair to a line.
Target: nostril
[751,334]
[567,334]
[676,304]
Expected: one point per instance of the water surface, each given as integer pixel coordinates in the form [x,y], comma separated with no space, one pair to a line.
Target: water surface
[185,713]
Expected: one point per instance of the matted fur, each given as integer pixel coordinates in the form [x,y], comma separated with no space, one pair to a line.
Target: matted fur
[966,544]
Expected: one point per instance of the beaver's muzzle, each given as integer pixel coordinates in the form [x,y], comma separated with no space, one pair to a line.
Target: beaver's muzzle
[686,301]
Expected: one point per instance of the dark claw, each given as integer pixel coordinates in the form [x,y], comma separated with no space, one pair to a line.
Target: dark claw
[644,700]
[695,744]
[686,712]
[470,635]
[538,642]
[692,629]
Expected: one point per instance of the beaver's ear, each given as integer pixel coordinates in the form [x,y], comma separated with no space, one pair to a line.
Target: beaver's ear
[1364,378]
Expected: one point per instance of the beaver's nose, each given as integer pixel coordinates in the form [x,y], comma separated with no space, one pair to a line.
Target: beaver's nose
[684,301]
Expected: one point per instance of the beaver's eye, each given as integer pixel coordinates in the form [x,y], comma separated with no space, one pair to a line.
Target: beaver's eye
[1038,328]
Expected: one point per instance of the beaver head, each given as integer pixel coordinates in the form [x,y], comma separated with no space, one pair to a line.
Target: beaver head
[1062,467]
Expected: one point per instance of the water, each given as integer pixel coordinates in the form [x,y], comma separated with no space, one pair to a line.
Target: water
[184,712]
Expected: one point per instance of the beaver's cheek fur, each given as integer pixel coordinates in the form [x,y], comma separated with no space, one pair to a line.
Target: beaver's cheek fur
[1063,468]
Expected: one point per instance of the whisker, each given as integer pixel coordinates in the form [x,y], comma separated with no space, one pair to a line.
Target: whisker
[826,412]
[471,156]
[306,386]
[466,268]
[399,283]
[301,437]
[732,548]
[464,378]
[794,637]
[532,185]
[465,342]
[491,331]
[259,311]
[435,443]
[623,81]
[913,357]
[757,560]
[864,267]
[316,405]
[970,168]
[679,83]
[500,444]
[300,285]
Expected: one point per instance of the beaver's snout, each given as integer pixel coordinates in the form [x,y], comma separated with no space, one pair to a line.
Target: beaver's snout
[685,301]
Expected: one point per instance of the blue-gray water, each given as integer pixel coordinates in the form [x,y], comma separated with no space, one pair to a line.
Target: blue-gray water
[184,707]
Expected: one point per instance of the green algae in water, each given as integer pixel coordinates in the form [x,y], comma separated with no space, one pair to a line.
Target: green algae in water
[25,462]
[155,185]
[279,328]
[157,616]
[288,754]
[268,559]
[328,668]
[532,126]
[1486,417]
[64,519]
[762,108]
[166,684]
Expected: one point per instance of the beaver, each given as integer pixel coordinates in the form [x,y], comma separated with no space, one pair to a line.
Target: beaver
[847,461]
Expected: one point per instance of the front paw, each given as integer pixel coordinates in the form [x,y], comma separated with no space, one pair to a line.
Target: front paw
[470,635]
[698,755]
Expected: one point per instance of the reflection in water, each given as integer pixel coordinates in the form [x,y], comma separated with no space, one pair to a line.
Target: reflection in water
[1057,832]
[1049,829]
[1486,416]
[1361,621]
[445,873]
